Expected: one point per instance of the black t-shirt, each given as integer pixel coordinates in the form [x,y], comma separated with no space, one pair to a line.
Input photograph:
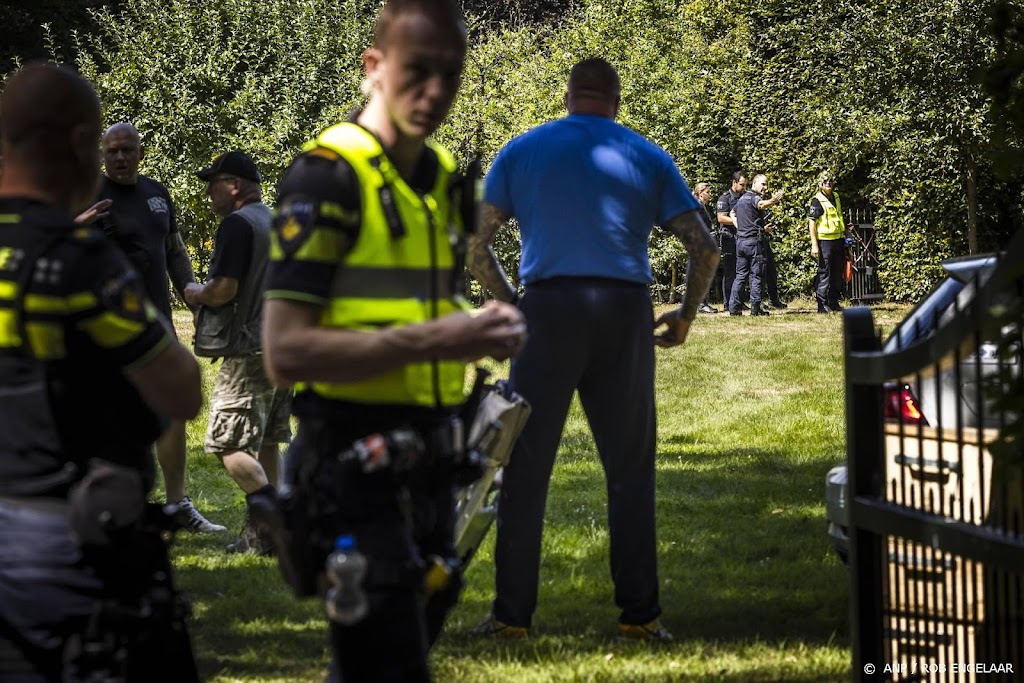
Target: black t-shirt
[95,322]
[232,249]
[816,210]
[725,204]
[140,221]
[749,218]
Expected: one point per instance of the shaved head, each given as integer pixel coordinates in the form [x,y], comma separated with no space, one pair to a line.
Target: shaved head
[49,125]
[122,151]
[445,15]
[594,78]
[122,128]
[40,100]
[594,88]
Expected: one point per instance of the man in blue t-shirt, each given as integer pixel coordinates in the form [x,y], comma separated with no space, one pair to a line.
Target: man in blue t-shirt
[586,193]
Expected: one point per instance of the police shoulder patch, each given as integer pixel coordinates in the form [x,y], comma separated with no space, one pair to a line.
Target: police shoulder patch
[125,296]
[293,223]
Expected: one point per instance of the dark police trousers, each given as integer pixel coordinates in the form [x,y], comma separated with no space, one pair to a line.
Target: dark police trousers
[750,260]
[48,593]
[395,532]
[831,264]
[592,335]
[771,271]
[728,263]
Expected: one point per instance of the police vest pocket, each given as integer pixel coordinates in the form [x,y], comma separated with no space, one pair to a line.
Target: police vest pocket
[213,330]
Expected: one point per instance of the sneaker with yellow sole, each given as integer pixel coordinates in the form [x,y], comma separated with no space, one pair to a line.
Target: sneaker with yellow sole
[492,628]
[651,631]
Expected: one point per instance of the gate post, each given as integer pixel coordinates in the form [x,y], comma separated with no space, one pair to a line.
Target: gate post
[865,454]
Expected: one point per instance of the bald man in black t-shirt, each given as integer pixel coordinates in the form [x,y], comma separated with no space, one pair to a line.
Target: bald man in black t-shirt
[141,221]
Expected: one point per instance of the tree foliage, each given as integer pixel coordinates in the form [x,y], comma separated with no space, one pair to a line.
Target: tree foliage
[888,94]
[200,78]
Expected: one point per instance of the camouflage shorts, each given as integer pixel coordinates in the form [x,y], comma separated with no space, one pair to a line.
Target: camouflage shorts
[247,412]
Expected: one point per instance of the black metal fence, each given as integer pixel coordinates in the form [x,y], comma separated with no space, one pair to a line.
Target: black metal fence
[936,494]
[863,285]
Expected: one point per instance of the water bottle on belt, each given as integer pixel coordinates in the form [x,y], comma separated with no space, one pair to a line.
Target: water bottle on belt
[346,600]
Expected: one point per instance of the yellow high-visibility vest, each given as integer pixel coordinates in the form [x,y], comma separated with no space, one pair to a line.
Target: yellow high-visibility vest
[830,226]
[400,271]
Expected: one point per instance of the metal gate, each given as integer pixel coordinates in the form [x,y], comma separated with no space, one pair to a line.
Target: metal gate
[936,491]
[863,285]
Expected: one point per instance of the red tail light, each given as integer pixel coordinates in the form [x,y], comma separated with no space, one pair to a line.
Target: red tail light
[902,405]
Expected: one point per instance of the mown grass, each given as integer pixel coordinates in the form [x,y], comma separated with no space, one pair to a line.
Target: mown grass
[750,419]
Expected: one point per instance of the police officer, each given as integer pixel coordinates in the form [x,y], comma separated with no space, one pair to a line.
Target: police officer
[702,193]
[90,375]
[828,246]
[363,314]
[727,231]
[750,254]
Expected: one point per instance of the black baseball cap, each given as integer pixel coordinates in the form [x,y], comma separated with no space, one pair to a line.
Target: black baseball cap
[232,163]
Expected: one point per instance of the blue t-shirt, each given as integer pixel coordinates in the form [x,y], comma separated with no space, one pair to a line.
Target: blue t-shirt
[586,193]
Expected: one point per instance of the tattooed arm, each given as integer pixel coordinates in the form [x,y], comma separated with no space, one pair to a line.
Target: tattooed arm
[692,228]
[179,264]
[480,258]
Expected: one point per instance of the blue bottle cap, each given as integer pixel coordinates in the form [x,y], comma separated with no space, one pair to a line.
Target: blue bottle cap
[345,542]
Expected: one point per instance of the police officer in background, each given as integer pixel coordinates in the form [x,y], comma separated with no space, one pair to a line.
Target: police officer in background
[828,245]
[750,247]
[727,232]
[702,193]
[363,313]
[80,570]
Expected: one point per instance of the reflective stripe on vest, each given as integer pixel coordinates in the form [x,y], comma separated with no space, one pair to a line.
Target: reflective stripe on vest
[399,271]
[830,226]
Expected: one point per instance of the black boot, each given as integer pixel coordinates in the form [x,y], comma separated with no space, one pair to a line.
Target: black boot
[251,540]
[756,309]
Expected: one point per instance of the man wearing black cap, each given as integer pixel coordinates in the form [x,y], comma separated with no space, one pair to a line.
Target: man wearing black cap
[248,416]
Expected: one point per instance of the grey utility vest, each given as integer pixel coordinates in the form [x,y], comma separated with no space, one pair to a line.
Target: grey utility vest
[234,328]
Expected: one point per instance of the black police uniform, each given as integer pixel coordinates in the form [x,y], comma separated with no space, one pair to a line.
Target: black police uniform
[727,242]
[73,317]
[750,257]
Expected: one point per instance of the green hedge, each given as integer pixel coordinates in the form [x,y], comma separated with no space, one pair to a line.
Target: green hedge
[884,93]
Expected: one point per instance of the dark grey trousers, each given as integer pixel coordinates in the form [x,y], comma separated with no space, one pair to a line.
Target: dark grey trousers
[596,336]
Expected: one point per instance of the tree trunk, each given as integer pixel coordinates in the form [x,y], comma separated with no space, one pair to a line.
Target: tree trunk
[672,288]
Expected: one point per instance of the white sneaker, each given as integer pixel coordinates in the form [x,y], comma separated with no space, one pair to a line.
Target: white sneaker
[196,521]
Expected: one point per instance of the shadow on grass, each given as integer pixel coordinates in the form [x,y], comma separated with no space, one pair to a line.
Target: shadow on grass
[258,629]
[743,559]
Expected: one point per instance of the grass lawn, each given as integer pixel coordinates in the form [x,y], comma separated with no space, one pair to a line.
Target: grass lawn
[750,420]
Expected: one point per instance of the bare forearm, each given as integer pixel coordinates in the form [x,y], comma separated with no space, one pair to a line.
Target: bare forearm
[692,229]
[336,355]
[484,266]
[179,267]
[217,292]
[480,258]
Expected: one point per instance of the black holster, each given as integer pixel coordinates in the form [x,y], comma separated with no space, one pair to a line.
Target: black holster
[137,631]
